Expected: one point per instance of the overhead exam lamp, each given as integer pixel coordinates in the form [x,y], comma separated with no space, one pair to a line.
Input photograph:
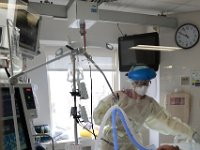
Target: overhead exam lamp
[155,48]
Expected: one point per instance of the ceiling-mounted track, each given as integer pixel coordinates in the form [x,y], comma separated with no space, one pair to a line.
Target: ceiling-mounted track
[60,11]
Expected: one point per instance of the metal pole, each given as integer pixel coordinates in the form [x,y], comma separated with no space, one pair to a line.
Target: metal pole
[36,67]
[11,87]
[74,91]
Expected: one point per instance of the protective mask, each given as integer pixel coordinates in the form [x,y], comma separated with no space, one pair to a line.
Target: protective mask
[141,90]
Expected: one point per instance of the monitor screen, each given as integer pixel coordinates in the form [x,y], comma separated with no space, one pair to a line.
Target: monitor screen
[9,141]
[128,57]
[28,24]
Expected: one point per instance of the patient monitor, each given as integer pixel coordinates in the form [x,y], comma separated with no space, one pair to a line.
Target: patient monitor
[25,110]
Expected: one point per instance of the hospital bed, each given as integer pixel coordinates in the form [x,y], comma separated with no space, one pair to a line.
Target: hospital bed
[184,145]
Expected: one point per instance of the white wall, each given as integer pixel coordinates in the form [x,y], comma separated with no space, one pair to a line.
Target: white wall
[39,82]
[183,63]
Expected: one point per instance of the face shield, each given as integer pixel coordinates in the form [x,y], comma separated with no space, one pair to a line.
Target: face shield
[139,83]
[140,86]
[140,77]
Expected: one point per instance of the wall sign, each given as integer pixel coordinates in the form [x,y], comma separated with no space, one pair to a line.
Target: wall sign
[195,78]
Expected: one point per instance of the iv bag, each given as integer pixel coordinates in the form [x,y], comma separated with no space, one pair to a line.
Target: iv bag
[79,73]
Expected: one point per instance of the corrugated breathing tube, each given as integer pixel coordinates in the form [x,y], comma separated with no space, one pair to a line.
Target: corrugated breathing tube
[114,110]
[133,140]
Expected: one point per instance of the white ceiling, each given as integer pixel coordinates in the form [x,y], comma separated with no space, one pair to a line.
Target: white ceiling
[153,7]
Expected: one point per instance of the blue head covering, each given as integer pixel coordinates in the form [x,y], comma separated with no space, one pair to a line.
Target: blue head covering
[141,72]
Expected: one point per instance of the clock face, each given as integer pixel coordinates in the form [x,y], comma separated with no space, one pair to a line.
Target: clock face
[187,36]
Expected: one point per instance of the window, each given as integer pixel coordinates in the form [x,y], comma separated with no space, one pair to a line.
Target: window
[60,88]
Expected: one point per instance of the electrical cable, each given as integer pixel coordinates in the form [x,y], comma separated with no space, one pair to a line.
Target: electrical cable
[7,72]
[91,104]
[119,29]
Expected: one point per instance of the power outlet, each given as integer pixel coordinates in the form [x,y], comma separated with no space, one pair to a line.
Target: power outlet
[185,80]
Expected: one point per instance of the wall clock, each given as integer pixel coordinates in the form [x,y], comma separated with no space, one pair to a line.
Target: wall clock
[187,36]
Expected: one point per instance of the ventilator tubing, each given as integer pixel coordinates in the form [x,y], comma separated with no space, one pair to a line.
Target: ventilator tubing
[114,110]
[128,132]
[100,135]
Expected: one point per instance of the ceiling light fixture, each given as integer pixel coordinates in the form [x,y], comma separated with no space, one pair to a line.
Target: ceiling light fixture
[155,48]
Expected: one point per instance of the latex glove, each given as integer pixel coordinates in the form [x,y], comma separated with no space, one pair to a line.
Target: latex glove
[196,137]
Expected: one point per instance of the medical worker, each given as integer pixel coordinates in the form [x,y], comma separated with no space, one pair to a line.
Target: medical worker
[141,110]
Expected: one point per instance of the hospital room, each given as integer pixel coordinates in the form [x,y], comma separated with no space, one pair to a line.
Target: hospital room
[99,75]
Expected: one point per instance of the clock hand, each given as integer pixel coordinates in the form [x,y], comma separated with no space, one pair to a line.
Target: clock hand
[184,34]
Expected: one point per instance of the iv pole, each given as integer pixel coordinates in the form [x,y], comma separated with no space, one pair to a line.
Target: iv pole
[74,92]
[14,78]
